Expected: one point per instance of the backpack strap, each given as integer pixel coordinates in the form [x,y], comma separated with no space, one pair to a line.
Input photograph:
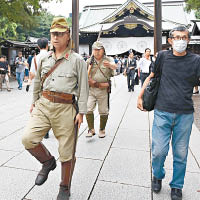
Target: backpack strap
[159,66]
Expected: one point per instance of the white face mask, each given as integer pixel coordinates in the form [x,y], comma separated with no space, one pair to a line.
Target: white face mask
[179,45]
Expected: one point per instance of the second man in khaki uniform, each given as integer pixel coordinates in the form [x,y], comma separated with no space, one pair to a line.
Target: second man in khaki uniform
[100,70]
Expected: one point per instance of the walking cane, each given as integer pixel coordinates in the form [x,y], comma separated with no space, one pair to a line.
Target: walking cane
[74,148]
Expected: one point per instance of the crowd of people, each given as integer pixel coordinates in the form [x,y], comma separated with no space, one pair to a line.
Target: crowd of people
[67,87]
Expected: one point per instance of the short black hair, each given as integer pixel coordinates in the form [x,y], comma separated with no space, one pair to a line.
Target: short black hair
[179,28]
[42,43]
[2,56]
[147,49]
[33,52]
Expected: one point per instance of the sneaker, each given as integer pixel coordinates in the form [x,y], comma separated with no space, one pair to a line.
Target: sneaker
[8,89]
[156,185]
[176,194]
[197,92]
[91,132]
[102,133]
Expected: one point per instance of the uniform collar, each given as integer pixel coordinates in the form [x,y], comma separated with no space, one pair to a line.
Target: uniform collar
[66,54]
[100,60]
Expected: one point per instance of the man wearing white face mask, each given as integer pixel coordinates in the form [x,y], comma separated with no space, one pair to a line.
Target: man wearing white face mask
[173,114]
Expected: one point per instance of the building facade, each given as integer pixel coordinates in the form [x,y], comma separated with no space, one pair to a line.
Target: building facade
[129,25]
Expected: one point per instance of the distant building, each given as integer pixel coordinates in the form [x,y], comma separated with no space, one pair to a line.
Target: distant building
[129,25]
[195,37]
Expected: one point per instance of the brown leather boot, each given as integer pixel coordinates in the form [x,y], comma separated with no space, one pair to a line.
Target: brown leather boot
[64,191]
[46,159]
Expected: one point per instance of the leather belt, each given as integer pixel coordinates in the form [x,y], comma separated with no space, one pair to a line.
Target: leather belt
[58,97]
[95,84]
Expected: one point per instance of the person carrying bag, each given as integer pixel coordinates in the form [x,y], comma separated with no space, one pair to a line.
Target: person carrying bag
[151,91]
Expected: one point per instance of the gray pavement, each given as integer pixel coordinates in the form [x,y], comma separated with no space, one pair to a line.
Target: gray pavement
[117,167]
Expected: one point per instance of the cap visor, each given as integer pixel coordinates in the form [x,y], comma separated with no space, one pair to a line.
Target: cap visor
[97,47]
[58,30]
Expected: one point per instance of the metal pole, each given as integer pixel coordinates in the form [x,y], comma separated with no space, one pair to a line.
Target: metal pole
[75,24]
[157,26]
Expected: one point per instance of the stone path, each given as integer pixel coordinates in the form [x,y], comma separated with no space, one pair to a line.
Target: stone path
[117,167]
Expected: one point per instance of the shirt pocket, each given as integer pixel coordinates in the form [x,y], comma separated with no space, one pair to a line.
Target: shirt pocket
[66,81]
[66,75]
[106,71]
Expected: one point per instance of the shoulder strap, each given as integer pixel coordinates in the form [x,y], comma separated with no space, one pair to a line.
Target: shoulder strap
[51,70]
[35,63]
[159,66]
[103,74]
[98,67]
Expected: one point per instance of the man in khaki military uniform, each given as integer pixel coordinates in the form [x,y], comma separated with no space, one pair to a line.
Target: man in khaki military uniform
[100,69]
[53,106]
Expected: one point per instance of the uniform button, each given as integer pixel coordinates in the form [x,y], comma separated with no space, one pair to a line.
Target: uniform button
[52,79]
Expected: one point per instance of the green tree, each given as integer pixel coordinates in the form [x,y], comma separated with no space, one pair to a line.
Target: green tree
[43,22]
[22,11]
[42,28]
[7,29]
[193,5]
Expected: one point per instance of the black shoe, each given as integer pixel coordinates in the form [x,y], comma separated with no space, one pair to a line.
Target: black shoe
[176,194]
[133,89]
[44,172]
[64,193]
[129,90]
[27,88]
[46,136]
[156,185]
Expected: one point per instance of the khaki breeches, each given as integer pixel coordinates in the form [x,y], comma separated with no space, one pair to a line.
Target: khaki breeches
[100,97]
[47,115]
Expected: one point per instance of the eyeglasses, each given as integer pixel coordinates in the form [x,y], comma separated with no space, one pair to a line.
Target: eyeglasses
[58,34]
[178,37]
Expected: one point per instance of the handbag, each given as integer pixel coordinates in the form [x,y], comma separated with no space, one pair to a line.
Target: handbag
[151,91]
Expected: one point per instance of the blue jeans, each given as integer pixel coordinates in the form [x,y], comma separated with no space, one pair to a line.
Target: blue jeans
[20,77]
[177,128]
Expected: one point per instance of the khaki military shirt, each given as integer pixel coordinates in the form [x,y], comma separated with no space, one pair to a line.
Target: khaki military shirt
[69,77]
[97,75]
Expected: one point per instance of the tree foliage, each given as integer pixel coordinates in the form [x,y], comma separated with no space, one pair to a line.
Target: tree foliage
[43,22]
[20,19]
[193,5]
[22,11]
[7,29]
[42,28]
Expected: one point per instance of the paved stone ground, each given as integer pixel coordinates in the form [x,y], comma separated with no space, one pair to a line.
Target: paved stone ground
[117,167]
[196,100]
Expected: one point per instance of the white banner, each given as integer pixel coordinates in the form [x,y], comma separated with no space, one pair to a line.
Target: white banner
[115,46]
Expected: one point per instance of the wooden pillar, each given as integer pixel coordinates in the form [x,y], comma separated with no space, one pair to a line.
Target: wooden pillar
[75,24]
[157,26]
